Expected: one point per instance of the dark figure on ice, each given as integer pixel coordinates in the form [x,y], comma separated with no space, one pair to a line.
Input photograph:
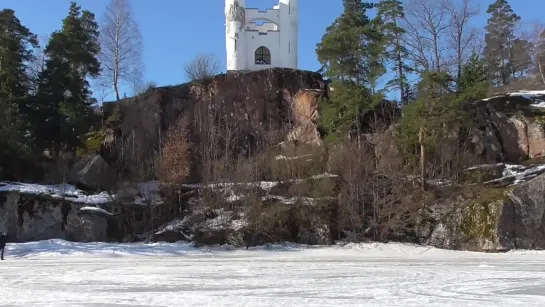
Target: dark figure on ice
[3,240]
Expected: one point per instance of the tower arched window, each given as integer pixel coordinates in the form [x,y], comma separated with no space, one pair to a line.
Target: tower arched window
[262,56]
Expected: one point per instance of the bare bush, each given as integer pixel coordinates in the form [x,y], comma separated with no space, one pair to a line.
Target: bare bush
[173,163]
[202,68]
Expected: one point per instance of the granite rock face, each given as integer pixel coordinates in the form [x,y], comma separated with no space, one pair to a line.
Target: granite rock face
[515,219]
[277,104]
[511,126]
[27,217]
[30,216]
[92,172]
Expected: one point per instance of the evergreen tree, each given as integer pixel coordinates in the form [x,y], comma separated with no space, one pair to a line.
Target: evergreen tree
[499,41]
[390,13]
[351,56]
[341,114]
[474,79]
[64,98]
[473,72]
[349,49]
[16,43]
[521,57]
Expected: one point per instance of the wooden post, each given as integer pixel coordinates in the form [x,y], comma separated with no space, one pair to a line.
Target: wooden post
[422,159]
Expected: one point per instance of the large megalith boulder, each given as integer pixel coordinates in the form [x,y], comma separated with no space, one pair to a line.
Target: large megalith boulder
[493,219]
[86,225]
[528,225]
[92,172]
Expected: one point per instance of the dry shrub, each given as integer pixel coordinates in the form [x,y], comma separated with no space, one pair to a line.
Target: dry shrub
[295,162]
[372,203]
[203,68]
[173,163]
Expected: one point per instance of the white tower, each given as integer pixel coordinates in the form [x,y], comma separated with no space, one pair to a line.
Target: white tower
[289,21]
[235,38]
[257,39]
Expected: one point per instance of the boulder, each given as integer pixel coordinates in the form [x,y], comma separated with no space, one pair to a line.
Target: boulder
[84,226]
[92,172]
[528,225]
[316,235]
[513,218]
[175,231]
[468,225]
[511,126]
[31,217]
[30,212]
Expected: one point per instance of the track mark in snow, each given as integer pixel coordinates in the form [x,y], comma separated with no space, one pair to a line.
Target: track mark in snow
[354,275]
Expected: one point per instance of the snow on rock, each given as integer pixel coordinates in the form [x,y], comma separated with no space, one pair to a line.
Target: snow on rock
[224,219]
[309,201]
[96,209]
[210,227]
[537,97]
[148,193]
[282,157]
[516,173]
[264,185]
[62,191]
[177,228]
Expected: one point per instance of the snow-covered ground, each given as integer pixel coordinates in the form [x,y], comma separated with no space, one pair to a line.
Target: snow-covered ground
[59,273]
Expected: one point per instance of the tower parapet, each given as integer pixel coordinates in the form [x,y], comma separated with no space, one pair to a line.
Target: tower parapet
[259,39]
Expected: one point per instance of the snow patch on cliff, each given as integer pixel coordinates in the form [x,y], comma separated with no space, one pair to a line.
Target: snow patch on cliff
[61,191]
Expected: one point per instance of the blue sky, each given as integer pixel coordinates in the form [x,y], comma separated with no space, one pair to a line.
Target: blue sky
[174,31]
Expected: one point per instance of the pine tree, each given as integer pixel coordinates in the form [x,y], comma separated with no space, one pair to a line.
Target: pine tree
[341,114]
[499,41]
[64,96]
[348,50]
[474,79]
[16,43]
[473,72]
[520,57]
[390,12]
[351,56]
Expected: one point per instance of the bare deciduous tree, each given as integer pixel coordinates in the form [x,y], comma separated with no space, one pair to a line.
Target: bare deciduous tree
[203,67]
[462,35]
[140,88]
[535,34]
[37,65]
[426,22]
[121,45]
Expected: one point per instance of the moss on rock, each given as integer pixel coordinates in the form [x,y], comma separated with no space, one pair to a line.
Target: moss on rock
[479,221]
[92,143]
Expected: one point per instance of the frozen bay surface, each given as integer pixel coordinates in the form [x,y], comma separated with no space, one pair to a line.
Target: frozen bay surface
[60,273]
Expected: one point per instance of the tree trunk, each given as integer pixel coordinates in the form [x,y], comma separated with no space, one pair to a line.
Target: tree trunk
[541,71]
[116,89]
[399,60]
[422,159]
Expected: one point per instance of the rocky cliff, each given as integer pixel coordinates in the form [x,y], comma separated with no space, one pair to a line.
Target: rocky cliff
[278,104]
[499,206]
[495,219]
[511,126]
[30,212]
